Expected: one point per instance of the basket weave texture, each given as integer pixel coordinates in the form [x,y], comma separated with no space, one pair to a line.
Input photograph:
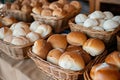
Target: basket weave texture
[108,37]
[58,24]
[14,51]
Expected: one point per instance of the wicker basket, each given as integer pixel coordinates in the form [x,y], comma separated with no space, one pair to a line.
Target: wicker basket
[58,24]
[108,37]
[19,15]
[16,52]
[98,59]
[118,42]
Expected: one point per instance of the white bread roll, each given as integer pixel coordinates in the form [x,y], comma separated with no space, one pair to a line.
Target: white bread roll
[44,30]
[94,46]
[58,41]
[12,27]
[41,48]
[8,38]
[4,32]
[54,55]
[90,23]
[37,10]
[76,4]
[113,58]
[110,24]
[76,38]
[116,18]
[104,71]
[80,18]
[20,40]
[108,15]
[97,15]
[72,61]
[32,36]
[101,22]
[34,25]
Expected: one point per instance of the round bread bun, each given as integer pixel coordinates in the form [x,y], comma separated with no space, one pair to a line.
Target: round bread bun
[63,2]
[20,40]
[76,4]
[54,55]
[46,6]
[76,38]
[41,48]
[104,71]
[37,10]
[80,18]
[46,12]
[116,18]
[35,3]
[86,57]
[113,58]
[55,5]
[26,9]
[58,41]
[68,8]
[108,15]
[72,61]
[94,46]
[15,6]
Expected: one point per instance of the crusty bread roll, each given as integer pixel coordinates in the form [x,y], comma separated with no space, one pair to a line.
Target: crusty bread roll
[58,41]
[108,15]
[34,25]
[44,30]
[26,9]
[80,18]
[62,1]
[76,4]
[68,8]
[4,32]
[26,2]
[41,48]
[94,46]
[104,71]
[86,57]
[116,18]
[32,36]
[45,6]
[90,22]
[55,5]
[113,58]
[76,38]
[15,6]
[46,12]
[54,55]
[35,3]
[72,61]
[37,10]
[20,40]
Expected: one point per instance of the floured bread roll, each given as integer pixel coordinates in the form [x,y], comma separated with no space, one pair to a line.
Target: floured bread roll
[8,38]
[44,30]
[97,15]
[72,61]
[46,12]
[55,5]
[34,25]
[94,46]
[76,4]
[37,10]
[108,15]
[26,9]
[90,22]
[32,36]
[4,32]
[15,6]
[104,71]
[68,8]
[54,55]
[58,41]
[41,48]
[98,28]
[113,58]
[76,38]
[63,2]
[110,24]
[80,18]
[20,40]
[116,18]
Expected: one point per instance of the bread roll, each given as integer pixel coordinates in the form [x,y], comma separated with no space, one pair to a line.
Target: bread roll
[44,30]
[32,36]
[80,18]
[26,9]
[8,38]
[68,8]
[35,3]
[20,40]
[104,72]
[54,55]
[58,41]
[94,46]
[72,61]
[41,48]
[76,38]
[37,10]
[76,4]
[26,2]
[86,57]
[34,25]
[46,12]
[101,22]
[108,15]
[45,6]
[90,22]
[4,32]
[55,5]
[116,18]
[63,2]
[15,6]
[113,58]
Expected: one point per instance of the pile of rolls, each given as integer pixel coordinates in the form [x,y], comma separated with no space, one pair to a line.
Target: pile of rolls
[98,20]
[109,70]
[70,51]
